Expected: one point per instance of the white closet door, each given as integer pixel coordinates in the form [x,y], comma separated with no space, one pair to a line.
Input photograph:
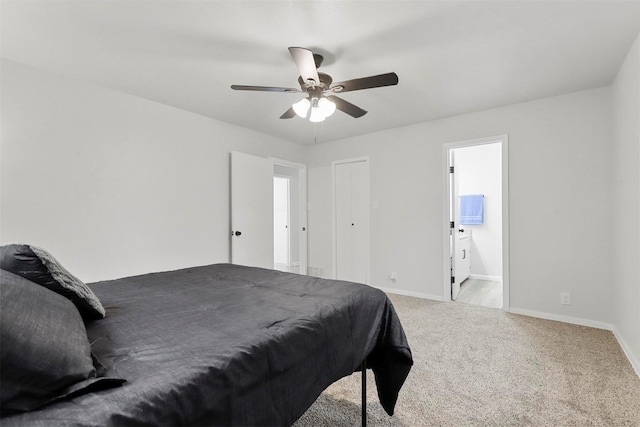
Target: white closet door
[359,221]
[352,221]
[343,221]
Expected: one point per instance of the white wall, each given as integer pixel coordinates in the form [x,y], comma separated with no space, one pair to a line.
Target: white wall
[560,210]
[116,185]
[626,202]
[112,184]
[478,171]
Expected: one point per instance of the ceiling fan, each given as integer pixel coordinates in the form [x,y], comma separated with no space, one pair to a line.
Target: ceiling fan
[320,101]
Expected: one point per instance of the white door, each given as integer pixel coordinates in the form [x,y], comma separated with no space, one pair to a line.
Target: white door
[281,220]
[352,221]
[360,222]
[343,221]
[251,210]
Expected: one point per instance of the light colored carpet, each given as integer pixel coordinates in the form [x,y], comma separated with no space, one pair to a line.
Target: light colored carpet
[477,366]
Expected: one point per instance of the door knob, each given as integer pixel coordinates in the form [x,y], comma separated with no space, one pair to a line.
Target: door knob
[236,233]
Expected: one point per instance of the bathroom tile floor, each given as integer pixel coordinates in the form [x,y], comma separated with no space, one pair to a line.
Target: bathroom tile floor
[487,293]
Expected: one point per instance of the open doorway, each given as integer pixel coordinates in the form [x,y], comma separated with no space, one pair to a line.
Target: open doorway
[289,217]
[281,222]
[476,235]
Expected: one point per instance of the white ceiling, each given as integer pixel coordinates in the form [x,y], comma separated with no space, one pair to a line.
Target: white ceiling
[451,57]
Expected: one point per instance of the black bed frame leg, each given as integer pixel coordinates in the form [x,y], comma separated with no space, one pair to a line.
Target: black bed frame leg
[364,393]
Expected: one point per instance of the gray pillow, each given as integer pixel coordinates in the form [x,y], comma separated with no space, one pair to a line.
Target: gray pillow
[39,266]
[45,353]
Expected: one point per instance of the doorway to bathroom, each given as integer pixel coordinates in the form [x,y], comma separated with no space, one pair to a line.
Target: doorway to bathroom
[475,262]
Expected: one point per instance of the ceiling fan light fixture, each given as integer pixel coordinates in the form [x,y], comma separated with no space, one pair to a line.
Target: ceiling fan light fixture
[302,107]
[317,114]
[327,107]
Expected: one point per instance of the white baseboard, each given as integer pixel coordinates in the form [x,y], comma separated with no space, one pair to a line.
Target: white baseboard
[635,363]
[483,277]
[411,294]
[561,318]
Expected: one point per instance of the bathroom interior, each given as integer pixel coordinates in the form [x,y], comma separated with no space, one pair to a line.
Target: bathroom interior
[476,211]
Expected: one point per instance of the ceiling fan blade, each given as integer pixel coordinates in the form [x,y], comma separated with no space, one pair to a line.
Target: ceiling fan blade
[306,64]
[388,79]
[347,107]
[290,113]
[266,88]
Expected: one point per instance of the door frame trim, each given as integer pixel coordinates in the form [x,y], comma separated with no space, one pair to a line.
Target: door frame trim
[446,269]
[334,242]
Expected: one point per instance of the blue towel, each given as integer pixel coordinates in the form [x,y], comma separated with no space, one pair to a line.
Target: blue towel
[472,209]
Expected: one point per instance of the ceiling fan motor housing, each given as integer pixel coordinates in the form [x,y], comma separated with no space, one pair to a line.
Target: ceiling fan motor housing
[322,85]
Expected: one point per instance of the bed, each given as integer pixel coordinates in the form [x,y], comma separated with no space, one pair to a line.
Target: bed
[223,345]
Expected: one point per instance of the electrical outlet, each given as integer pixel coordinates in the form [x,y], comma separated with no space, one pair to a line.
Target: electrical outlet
[393,276]
[565,298]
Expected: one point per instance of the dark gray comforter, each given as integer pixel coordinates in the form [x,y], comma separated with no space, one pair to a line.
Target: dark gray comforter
[230,345]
